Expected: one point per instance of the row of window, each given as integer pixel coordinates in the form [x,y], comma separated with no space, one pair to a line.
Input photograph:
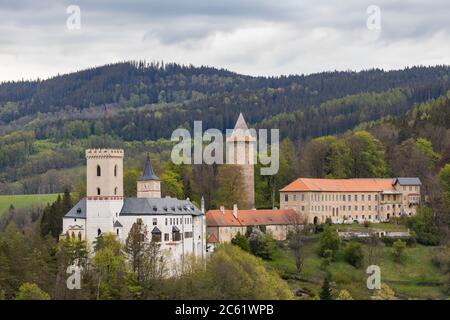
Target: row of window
[99,171]
[364,217]
[176,236]
[349,208]
[99,191]
[332,197]
[343,208]
[174,221]
[410,188]
[356,217]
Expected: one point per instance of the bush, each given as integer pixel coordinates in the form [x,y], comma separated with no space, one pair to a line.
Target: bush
[261,244]
[441,259]
[30,291]
[389,241]
[344,295]
[325,292]
[385,293]
[424,226]
[327,259]
[366,224]
[329,240]
[241,241]
[398,249]
[353,254]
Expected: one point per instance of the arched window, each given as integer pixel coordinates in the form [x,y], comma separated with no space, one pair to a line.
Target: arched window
[115,170]
[73,234]
[99,232]
[79,236]
[98,191]
[99,171]
[115,191]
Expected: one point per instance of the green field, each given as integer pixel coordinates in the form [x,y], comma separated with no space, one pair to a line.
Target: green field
[25,200]
[415,278]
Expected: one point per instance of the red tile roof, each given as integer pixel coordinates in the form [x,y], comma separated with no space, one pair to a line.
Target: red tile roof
[311,184]
[212,239]
[217,218]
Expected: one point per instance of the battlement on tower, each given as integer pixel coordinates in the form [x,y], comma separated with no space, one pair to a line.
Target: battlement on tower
[104,153]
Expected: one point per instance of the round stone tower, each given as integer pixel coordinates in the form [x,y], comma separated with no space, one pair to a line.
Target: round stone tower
[240,151]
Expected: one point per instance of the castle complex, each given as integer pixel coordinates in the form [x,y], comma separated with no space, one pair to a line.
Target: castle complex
[176,224]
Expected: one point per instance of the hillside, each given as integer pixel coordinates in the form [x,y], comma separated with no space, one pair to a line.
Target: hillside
[45,125]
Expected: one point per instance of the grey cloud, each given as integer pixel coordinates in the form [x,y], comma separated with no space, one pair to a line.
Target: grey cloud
[249,36]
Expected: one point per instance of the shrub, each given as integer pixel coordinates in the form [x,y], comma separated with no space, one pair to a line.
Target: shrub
[329,240]
[366,224]
[344,295]
[30,291]
[441,259]
[261,244]
[424,226]
[327,258]
[353,254]
[398,249]
[389,241]
[325,291]
[385,293]
[241,241]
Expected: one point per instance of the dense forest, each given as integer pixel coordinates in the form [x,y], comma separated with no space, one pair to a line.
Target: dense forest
[333,124]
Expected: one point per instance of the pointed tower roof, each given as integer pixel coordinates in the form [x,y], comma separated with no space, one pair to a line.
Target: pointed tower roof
[240,123]
[148,173]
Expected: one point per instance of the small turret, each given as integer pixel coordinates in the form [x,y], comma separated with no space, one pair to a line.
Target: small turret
[149,184]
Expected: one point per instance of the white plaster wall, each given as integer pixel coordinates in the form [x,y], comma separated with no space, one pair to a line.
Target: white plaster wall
[175,250]
[71,222]
[101,214]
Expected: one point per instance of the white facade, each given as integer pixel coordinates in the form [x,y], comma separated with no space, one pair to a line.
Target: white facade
[176,224]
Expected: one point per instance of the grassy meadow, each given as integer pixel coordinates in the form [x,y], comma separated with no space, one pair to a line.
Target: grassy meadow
[416,277]
[25,200]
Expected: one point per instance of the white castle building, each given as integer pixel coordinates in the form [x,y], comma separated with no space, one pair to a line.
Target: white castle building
[176,224]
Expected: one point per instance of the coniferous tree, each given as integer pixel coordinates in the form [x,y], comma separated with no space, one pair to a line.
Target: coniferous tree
[325,291]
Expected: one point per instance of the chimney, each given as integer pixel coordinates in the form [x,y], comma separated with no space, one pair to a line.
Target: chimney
[222,209]
[235,210]
[202,207]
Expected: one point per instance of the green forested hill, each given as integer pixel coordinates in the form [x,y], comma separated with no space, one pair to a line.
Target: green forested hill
[45,125]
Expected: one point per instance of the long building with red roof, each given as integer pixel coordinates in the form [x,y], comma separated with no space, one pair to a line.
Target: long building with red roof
[350,200]
[223,225]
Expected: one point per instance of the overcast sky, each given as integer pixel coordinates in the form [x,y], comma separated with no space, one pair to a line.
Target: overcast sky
[256,37]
